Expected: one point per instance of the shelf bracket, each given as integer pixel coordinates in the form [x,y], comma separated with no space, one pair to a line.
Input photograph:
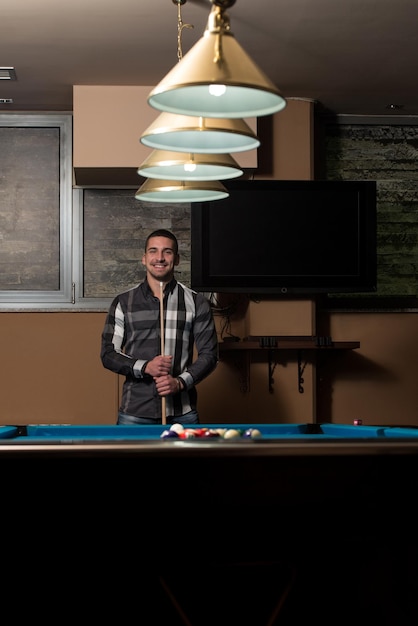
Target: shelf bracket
[301,369]
[271,368]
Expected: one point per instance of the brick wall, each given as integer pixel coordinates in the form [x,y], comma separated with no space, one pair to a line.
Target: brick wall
[388,154]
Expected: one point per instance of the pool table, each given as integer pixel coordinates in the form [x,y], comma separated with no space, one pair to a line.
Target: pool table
[316,521]
[278,438]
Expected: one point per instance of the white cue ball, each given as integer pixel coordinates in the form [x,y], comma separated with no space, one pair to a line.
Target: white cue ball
[178,428]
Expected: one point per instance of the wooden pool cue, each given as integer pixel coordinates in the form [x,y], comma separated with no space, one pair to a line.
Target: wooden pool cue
[163,410]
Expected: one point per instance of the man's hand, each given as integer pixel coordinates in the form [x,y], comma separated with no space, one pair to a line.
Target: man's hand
[166,385]
[159,366]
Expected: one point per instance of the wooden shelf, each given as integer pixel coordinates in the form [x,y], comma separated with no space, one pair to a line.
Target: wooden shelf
[287,344]
[242,351]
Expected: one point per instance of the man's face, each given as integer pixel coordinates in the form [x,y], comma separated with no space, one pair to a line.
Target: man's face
[160,259]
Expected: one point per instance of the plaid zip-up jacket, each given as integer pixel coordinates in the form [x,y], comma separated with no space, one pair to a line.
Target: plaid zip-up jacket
[131,336]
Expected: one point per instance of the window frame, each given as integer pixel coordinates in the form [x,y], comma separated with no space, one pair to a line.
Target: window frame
[46,299]
[79,301]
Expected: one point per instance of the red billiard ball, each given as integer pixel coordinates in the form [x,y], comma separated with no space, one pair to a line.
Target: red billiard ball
[188,433]
[200,432]
[211,433]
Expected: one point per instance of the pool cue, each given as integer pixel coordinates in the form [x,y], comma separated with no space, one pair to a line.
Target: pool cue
[163,411]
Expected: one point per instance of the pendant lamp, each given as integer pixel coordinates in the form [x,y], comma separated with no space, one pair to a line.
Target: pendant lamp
[184,133]
[169,191]
[217,78]
[183,166]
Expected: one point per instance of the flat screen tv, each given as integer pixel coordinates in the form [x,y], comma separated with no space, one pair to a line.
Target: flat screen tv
[286,237]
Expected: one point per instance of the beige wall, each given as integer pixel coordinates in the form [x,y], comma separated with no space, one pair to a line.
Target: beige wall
[375,383]
[106,116]
[51,371]
[378,382]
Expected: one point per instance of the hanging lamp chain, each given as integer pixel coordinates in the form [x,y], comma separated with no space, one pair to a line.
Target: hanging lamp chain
[180,27]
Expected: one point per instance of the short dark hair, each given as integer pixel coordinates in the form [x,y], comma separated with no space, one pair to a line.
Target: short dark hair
[162,232]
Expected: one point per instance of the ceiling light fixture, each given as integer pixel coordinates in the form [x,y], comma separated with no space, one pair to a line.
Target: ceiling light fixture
[7,73]
[195,173]
[217,78]
[184,133]
[168,191]
[182,166]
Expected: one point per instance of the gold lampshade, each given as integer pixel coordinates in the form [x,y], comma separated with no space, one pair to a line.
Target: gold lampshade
[217,78]
[183,133]
[182,166]
[153,190]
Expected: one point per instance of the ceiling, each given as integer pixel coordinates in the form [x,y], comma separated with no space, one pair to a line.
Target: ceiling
[354,57]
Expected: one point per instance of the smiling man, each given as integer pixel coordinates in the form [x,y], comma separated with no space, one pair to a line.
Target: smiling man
[132,342]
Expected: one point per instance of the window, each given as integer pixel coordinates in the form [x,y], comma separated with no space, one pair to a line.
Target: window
[111,227]
[63,248]
[35,210]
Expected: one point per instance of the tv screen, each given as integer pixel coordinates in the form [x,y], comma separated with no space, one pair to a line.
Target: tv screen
[286,237]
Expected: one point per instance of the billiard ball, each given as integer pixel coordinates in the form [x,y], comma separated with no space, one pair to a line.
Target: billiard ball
[200,432]
[212,432]
[232,433]
[187,433]
[252,433]
[169,434]
[176,427]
